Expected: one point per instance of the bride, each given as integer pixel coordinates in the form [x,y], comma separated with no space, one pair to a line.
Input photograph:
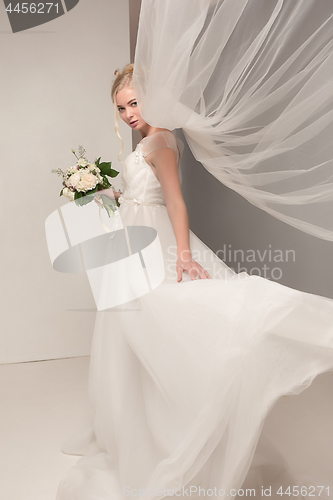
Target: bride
[183,377]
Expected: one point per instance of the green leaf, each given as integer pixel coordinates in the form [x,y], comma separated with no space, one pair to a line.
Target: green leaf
[109,204]
[97,162]
[107,170]
[85,200]
[109,210]
[106,184]
[61,192]
[77,198]
[89,196]
[82,199]
[114,173]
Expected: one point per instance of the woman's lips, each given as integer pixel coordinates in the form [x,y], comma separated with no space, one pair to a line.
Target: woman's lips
[134,123]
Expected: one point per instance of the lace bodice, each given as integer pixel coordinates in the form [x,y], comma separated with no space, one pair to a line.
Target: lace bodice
[140,184]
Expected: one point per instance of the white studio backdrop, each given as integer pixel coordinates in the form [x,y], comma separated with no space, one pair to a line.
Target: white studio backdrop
[55,95]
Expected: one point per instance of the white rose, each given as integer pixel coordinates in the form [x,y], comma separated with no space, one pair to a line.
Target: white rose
[68,193]
[82,162]
[71,170]
[74,179]
[92,166]
[87,182]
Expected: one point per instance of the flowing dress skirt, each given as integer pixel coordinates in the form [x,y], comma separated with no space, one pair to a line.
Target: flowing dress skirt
[183,378]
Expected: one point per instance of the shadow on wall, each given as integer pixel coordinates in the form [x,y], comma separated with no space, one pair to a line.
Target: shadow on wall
[248,239]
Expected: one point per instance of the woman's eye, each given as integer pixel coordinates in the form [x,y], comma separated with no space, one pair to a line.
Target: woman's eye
[134,102]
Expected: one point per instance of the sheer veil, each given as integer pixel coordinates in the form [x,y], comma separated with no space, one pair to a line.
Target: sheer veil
[250,82]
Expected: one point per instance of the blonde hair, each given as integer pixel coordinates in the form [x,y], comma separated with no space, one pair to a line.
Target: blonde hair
[123,79]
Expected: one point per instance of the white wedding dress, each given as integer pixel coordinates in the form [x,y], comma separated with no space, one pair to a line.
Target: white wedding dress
[183,377]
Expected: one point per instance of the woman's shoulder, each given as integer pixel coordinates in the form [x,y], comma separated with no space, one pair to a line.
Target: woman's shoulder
[164,138]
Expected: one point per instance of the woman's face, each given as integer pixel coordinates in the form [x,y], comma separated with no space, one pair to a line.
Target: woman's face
[128,108]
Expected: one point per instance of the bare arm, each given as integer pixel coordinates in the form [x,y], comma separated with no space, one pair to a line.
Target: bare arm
[164,160]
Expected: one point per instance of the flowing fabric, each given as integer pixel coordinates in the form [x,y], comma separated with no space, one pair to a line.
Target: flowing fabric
[250,82]
[183,377]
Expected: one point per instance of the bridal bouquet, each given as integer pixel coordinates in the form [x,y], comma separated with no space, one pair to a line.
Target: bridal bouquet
[84,179]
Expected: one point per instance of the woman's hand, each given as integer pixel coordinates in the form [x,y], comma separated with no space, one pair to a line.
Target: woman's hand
[110,193]
[165,162]
[194,269]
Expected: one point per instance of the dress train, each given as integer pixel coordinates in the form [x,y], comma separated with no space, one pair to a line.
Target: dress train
[183,377]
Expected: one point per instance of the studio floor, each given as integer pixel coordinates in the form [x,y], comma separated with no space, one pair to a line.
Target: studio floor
[44,402]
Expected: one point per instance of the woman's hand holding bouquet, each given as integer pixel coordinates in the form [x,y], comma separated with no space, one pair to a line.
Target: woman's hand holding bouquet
[84,179]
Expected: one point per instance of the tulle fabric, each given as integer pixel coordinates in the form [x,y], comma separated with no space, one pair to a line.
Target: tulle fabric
[182,378]
[160,140]
[250,82]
